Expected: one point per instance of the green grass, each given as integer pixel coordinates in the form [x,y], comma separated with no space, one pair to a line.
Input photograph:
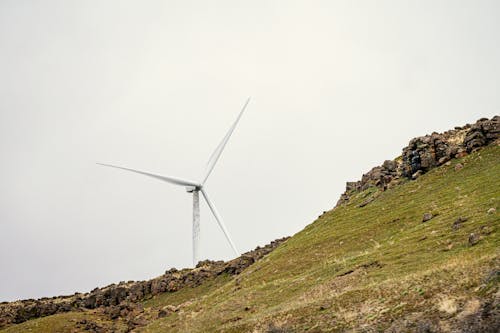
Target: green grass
[360,267]
[66,322]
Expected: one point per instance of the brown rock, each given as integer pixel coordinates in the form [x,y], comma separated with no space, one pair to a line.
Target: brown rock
[427,217]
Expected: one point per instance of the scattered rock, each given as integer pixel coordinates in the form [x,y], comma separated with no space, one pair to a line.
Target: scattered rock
[473,239]
[427,217]
[492,210]
[459,166]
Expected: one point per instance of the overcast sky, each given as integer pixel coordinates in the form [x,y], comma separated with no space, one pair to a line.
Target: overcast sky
[337,87]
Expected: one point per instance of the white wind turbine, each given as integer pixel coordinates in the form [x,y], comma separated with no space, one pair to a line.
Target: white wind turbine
[195,188]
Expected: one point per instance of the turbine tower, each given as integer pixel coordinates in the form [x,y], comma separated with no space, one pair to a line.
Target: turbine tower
[196,187]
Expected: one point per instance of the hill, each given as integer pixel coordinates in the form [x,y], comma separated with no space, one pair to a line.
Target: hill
[411,247]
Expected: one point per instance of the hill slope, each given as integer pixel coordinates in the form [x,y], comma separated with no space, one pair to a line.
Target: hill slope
[421,256]
[377,267]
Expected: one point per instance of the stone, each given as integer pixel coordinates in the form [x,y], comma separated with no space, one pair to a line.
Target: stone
[473,239]
[162,313]
[492,210]
[113,311]
[458,223]
[474,139]
[444,160]
[427,217]
[486,230]
[459,166]
[461,153]
[417,174]
[389,165]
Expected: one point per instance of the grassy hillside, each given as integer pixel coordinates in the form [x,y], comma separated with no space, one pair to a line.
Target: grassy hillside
[371,268]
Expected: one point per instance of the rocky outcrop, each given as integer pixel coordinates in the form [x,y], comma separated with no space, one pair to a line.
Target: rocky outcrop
[118,300]
[425,153]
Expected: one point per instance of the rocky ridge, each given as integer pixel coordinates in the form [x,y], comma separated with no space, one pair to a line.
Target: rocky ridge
[123,299]
[425,153]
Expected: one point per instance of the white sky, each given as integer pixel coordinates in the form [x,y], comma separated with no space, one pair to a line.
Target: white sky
[336,86]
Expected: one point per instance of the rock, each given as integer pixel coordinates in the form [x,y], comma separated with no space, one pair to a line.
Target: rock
[93,327]
[458,223]
[351,186]
[492,210]
[237,265]
[167,310]
[459,166]
[417,174]
[483,132]
[461,153]
[444,160]
[474,139]
[90,302]
[390,165]
[162,313]
[427,217]
[473,239]
[113,311]
[425,327]
[486,230]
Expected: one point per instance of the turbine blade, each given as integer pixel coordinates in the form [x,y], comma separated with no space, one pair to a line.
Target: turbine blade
[218,151]
[219,220]
[168,179]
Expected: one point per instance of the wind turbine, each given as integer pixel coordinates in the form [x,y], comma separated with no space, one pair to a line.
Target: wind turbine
[196,187]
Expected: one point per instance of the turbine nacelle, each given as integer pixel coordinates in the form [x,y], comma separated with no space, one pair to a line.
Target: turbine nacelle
[191,189]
